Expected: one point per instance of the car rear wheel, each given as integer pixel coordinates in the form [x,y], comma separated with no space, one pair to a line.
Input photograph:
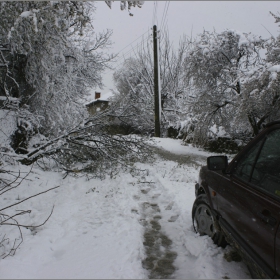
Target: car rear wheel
[205,223]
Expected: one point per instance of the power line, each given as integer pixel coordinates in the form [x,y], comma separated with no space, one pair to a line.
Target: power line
[143,40]
[164,31]
[130,51]
[164,24]
[163,14]
[133,42]
[125,56]
[155,21]
[164,17]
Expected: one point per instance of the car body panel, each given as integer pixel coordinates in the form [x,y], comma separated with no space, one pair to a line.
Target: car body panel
[239,207]
[247,212]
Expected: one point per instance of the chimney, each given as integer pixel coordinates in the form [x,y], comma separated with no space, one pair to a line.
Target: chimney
[97,95]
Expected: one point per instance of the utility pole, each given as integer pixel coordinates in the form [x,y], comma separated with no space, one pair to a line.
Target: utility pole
[156,85]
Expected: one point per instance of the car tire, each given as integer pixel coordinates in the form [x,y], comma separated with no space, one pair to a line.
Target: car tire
[204,221]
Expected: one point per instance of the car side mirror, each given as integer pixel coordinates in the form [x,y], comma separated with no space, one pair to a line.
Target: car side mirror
[216,163]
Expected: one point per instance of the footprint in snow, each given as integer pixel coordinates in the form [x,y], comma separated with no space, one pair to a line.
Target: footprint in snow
[173,218]
[169,206]
[145,191]
[156,195]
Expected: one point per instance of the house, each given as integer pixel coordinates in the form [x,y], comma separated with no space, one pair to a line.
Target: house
[99,103]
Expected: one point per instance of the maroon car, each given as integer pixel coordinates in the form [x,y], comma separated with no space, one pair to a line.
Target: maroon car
[239,202]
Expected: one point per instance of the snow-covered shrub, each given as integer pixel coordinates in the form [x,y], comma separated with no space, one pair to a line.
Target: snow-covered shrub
[187,129]
[28,125]
[89,148]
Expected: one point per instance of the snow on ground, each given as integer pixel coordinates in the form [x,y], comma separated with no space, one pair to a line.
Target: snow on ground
[115,227]
[175,146]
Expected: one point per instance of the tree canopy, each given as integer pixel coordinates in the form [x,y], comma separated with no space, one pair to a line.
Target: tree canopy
[54,58]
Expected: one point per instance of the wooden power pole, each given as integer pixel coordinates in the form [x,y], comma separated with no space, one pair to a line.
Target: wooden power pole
[156,85]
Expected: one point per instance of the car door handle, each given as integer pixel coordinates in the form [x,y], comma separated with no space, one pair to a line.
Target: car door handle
[267,218]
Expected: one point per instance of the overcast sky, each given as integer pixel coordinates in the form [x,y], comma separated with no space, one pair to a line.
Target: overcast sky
[182,17]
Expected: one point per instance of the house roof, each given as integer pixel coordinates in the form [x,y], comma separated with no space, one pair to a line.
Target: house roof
[104,97]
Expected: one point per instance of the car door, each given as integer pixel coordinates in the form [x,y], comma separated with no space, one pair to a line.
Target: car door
[249,200]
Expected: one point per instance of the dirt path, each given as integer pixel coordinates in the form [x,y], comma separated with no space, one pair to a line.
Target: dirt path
[181,159]
[169,254]
[158,213]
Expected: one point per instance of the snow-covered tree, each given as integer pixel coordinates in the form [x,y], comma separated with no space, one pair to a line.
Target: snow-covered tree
[134,100]
[60,57]
[174,96]
[127,4]
[261,98]
[49,57]
[217,69]
[135,83]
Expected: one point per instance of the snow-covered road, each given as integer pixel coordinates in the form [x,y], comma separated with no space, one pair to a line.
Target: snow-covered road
[133,225]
